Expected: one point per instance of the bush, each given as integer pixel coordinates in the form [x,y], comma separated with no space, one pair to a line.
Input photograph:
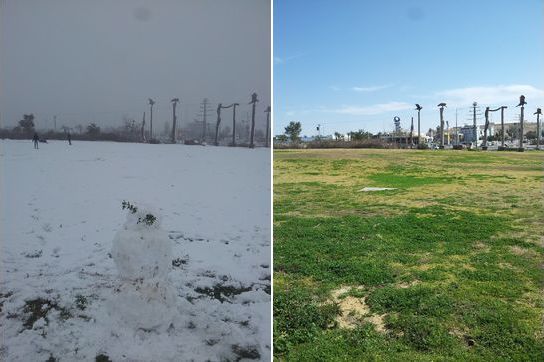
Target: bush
[148,219]
[367,143]
[17,134]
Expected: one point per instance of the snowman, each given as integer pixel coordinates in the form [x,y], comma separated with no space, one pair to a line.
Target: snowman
[142,253]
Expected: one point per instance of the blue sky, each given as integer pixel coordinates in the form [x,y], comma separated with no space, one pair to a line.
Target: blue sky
[352,65]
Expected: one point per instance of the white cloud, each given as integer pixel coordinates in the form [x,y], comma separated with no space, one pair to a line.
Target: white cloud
[496,95]
[278,60]
[283,60]
[374,109]
[371,88]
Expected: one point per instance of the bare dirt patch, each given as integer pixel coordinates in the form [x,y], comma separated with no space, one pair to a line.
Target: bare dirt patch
[482,247]
[518,250]
[354,311]
[405,285]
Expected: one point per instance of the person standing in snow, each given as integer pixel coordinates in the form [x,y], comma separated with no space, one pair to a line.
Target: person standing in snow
[36,139]
[69,138]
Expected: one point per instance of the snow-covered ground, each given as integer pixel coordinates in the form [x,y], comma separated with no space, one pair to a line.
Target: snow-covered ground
[60,289]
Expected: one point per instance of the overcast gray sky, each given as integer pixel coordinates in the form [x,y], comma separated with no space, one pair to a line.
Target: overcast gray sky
[95,61]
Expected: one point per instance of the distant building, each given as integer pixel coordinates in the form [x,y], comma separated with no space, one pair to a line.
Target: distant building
[468,133]
[315,138]
[404,138]
[527,126]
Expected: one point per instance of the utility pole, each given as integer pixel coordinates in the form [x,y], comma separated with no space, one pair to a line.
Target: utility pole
[418,108]
[267,111]
[248,128]
[441,105]
[502,125]
[55,122]
[456,129]
[538,113]
[522,103]
[253,102]
[204,109]
[151,103]
[174,103]
[448,131]
[143,128]
[474,105]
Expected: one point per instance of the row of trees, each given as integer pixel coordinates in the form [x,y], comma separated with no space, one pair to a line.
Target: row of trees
[294,129]
[26,128]
[134,131]
[219,132]
[354,139]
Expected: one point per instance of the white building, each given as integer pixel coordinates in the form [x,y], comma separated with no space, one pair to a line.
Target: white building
[468,133]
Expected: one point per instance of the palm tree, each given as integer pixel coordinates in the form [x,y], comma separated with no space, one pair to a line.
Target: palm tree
[219,106]
[418,108]
[267,111]
[441,105]
[143,128]
[254,100]
[174,101]
[234,123]
[522,103]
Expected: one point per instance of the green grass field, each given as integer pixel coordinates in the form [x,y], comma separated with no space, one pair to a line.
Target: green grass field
[449,266]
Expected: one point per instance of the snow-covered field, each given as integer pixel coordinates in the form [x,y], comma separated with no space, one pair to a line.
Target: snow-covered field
[60,288]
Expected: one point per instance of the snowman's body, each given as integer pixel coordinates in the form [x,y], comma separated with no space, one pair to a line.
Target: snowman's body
[142,253]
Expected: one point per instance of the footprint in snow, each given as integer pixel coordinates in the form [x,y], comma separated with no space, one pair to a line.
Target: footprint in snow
[55,252]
